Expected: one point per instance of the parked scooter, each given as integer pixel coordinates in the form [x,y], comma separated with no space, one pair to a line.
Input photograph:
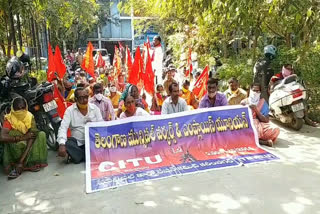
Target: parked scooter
[287,101]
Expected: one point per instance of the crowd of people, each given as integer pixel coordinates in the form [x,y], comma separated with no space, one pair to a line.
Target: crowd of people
[101,98]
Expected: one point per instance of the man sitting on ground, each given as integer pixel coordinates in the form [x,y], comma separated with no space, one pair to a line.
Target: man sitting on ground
[235,94]
[213,98]
[174,103]
[75,118]
[102,102]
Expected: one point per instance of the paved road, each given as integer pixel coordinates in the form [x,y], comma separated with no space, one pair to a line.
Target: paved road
[289,186]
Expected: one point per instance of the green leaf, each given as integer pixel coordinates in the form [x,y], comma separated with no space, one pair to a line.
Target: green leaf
[309,13]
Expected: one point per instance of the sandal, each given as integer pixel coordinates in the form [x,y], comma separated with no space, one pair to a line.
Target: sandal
[14,174]
[309,122]
[35,169]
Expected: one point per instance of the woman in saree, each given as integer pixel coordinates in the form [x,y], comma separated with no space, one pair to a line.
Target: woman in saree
[158,99]
[260,110]
[25,147]
[133,91]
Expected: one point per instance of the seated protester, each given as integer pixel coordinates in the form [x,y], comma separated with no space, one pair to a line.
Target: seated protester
[213,98]
[102,102]
[91,82]
[140,102]
[260,110]
[75,118]
[25,147]
[131,109]
[157,99]
[121,85]
[174,103]
[133,91]
[114,95]
[68,90]
[188,96]
[170,78]
[235,94]
[287,70]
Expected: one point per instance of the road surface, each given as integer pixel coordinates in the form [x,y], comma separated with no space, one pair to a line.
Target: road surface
[289,186]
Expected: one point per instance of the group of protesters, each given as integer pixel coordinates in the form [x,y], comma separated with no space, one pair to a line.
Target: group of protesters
[103,97]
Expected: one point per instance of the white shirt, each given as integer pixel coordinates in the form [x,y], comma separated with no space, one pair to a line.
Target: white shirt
[76,121]
[157,61]
[168,107]
[139,112]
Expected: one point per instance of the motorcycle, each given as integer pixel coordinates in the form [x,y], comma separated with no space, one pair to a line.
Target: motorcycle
[41,104]
[287,101]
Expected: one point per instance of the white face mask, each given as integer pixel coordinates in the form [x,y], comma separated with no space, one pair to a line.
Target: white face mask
[99,96]
[113,89]
[254,98]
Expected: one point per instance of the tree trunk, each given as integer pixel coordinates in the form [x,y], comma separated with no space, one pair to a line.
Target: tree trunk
[34,43]
[3,46]
[38,43]
[288,40]
[255,43]
[9,46]
[19,31]
[12,31]
[46,38]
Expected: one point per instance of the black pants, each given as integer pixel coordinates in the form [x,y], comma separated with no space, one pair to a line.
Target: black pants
[77,153]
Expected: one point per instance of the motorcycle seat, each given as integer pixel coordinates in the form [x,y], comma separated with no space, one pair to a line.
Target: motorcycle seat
[31,94]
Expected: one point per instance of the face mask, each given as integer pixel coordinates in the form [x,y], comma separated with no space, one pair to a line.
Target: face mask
[113,89]
[131,108]
[82,106]
[235,92]
[254,98]
[98,96]
[20,114]
[184,90]
[286,72]
[212,95]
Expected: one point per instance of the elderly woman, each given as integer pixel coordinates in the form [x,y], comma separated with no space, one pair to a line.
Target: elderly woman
[131,109]
[260,110]
[133,91]
[25,147]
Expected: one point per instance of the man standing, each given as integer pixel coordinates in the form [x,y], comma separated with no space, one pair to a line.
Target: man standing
[79,56]
[213,98]
[103,103]
[263,72]
[75,118]
[174,103]
[235,94]
[157,58]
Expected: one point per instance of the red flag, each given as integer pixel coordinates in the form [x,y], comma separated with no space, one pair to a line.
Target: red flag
[59,100]
[117,61]
[120,46]
[51,65]
[100,63]
[129,61]
[148,43]
[149,75]
[87,62]
[60,66]
[134,75]
[189,63]
[200,87]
